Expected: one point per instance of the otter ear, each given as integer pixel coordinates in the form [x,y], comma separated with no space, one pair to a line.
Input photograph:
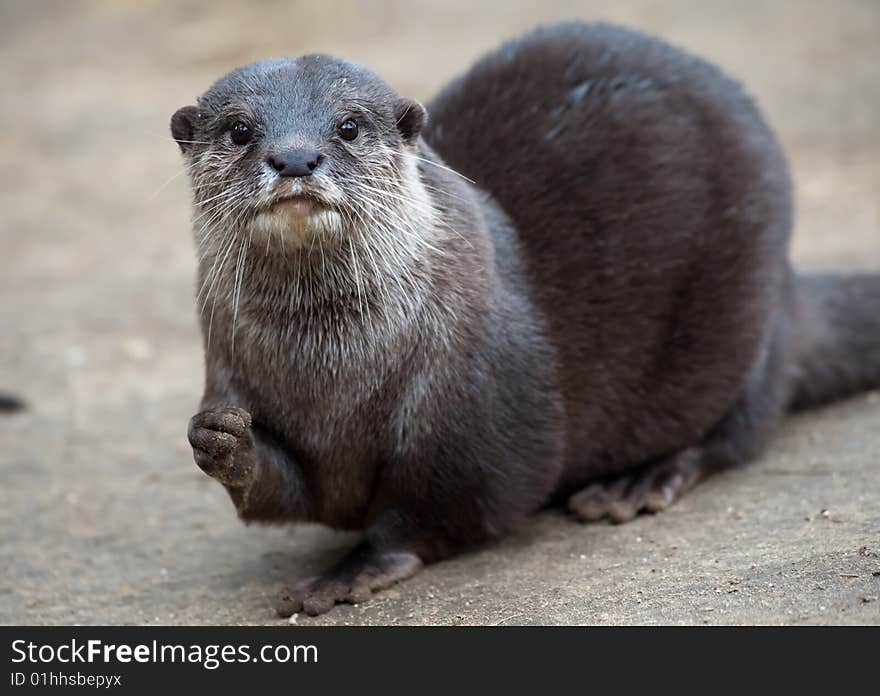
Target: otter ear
[411,118]
[183,126]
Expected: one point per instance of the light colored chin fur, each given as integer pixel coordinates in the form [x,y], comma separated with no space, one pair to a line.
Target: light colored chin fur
[297,231]
[283,228]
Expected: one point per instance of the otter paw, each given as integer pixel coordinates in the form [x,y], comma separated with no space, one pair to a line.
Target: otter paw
[652,489]
[348,583]
[221,440]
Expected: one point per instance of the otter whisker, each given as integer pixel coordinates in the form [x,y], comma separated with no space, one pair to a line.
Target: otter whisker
[377,270]
[216,293]
[356,277]
[167,181]
[414,203]
[208,249]
[234,228]
[206,209]
[441,166]
[391,182]
[229,235]
[210,276]
[400,262]
[402,224]
[205,227]
[239,278]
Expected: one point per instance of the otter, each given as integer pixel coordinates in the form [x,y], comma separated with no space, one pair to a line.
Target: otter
[569,285]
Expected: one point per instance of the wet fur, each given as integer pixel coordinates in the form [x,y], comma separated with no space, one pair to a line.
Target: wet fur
[612,292]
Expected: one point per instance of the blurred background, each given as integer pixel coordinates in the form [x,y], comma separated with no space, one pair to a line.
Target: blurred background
[105,517]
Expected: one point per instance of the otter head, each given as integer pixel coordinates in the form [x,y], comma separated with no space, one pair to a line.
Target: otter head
[307,151]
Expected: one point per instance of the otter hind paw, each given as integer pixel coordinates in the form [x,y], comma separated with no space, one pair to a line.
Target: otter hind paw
[651,489]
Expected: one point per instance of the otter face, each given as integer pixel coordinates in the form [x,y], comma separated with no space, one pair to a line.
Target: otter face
[306,150]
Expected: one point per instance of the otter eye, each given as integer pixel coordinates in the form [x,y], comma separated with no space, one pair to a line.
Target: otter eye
[240,132]
[348,130]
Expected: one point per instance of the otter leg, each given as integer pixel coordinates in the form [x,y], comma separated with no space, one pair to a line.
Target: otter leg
[260,478]
[377,562]
[735,439]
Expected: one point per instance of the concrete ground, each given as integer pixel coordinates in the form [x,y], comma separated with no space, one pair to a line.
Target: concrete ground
[104,516]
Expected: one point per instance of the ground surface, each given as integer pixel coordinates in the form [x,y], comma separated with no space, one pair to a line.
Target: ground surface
[105,518]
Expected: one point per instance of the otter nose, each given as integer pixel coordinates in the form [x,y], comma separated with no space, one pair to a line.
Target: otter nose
[295,163]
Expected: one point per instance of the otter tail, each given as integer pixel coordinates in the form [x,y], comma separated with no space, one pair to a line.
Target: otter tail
[836,338]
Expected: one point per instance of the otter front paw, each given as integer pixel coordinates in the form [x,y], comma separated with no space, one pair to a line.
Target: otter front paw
[223,444]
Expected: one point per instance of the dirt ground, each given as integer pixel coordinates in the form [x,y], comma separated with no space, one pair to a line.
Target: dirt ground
[104,516]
